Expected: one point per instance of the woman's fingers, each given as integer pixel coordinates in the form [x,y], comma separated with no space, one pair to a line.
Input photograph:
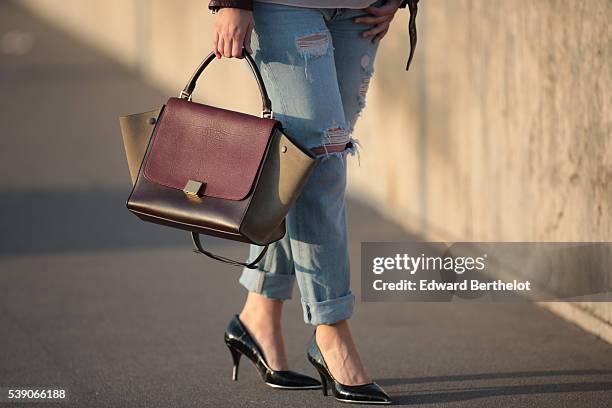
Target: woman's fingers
[380,18]
[237,42]
[220,46]
[389,8]
[232,32]
[227,47]
[247,39]
[372,19]
[376,30]
[216,44]
[380,36]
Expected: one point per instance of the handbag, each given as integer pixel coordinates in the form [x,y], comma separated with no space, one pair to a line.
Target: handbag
[213,171]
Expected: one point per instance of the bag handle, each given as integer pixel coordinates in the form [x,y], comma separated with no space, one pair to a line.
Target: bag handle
[200,250]
[186,94]
[266,103]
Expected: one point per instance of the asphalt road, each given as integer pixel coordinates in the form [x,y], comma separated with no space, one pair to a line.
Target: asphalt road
[123,314]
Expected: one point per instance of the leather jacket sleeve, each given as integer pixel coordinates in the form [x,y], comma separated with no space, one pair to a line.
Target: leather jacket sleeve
[215,5]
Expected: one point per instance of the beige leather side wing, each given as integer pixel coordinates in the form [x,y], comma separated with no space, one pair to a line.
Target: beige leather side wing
[136,130]
[285,172]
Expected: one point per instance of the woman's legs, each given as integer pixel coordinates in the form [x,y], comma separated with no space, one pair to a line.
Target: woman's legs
[274,279]
[354,57]
[262,316]
[313,62]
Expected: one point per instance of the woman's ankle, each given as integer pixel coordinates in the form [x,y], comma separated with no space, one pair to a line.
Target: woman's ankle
[261,317]
[340,353]
[260,308]
[333,335]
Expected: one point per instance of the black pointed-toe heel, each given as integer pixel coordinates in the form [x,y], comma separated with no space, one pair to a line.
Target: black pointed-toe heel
[369,393]
[240,342]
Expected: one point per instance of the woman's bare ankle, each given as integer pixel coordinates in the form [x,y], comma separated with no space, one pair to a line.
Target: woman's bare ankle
[262,317]
[340,353]
[259,307]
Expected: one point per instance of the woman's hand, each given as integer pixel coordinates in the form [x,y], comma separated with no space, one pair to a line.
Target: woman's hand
[381,16]
[232,30]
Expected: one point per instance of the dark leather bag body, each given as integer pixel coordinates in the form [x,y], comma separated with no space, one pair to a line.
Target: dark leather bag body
[214,171]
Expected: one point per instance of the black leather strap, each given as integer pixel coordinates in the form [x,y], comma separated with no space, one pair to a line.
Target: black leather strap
[265,100]
[200,250]
[412,31]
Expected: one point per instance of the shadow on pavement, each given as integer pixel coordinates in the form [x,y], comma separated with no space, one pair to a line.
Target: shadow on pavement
[481,392]
[490,376]
[61,220]
[66,220]
[443,395]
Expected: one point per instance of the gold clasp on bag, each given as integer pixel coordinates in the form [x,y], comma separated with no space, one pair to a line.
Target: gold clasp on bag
[193,188]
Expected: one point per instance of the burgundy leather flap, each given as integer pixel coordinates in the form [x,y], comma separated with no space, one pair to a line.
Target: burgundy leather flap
[220,148]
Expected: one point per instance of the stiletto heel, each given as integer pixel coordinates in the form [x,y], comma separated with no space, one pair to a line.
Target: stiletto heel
[369,393]
[239,341]
[323,383]
[236,358]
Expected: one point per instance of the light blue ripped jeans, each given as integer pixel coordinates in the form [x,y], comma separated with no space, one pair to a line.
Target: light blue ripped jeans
[316,68]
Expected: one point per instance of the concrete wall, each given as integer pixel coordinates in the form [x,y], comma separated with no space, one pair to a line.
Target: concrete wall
[501,131]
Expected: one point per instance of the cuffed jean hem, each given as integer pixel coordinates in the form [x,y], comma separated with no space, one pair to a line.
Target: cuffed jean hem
[328,311]
[272,285]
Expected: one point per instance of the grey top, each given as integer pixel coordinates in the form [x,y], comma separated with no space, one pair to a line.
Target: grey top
[354,4]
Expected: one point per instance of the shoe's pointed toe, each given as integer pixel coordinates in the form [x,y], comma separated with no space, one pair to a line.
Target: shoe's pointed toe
[370,393]
[381,396]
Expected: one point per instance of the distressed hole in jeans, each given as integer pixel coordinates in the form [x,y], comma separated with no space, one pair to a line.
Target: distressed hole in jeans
[368,71]
[337,135]
[363,89]
[365,61]
[312,45]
